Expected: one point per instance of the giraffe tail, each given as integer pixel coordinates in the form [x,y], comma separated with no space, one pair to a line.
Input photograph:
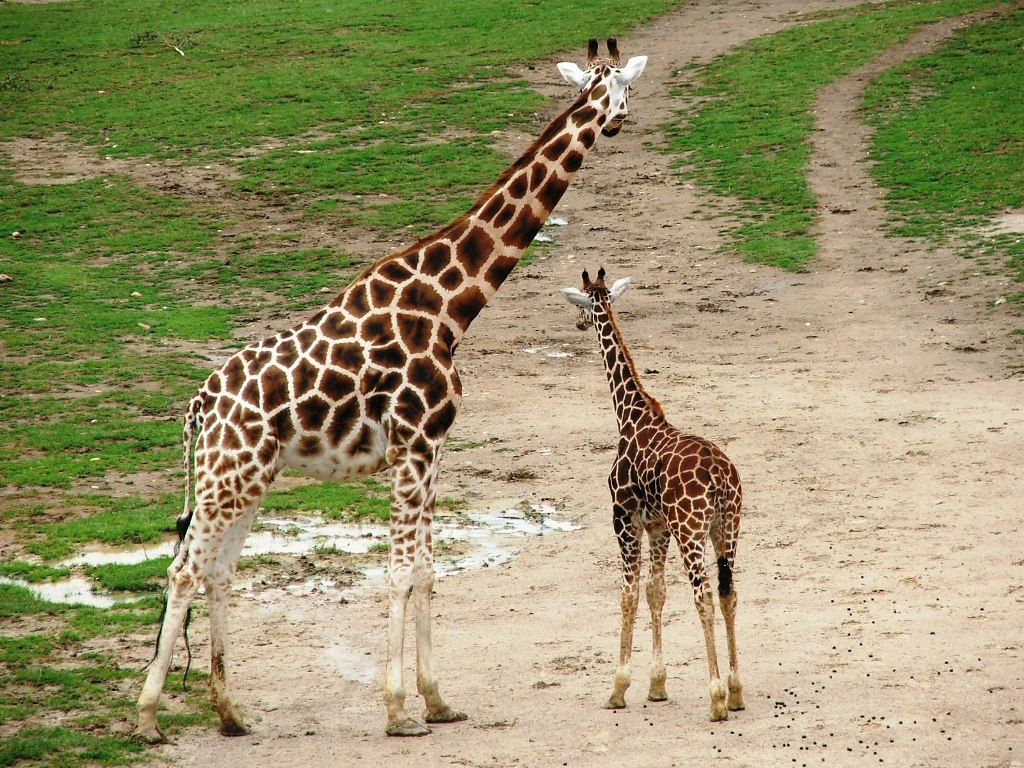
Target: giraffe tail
[193,419]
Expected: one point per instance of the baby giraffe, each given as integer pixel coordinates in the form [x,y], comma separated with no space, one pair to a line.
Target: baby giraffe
[670,485]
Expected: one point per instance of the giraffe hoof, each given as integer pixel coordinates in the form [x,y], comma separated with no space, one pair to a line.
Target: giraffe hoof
[614,703]
[445,715]
[407,727]
[659,696]
[150,736]
[234,728]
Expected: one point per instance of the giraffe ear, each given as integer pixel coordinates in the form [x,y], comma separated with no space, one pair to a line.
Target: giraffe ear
[618,288]
[633,68]
[573,75]
[577,297]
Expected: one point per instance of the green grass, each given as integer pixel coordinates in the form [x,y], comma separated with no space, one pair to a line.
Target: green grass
[335,501]
[321,115]
[747,137]
[948,142]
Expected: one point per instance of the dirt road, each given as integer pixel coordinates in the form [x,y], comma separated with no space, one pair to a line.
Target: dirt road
[869,407]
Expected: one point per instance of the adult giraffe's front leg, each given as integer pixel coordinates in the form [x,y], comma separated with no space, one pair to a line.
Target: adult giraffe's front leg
[411,572]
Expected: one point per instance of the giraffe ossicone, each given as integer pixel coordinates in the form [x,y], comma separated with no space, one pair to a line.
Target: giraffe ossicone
[668,485]
[366,383]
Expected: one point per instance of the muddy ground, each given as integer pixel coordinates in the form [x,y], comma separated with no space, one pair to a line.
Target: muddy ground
[871,405]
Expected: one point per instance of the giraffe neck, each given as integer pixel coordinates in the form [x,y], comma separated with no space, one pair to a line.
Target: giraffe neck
[453,273]
[633,404]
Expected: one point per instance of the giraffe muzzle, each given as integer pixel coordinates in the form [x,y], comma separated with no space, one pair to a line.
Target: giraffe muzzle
[613,126]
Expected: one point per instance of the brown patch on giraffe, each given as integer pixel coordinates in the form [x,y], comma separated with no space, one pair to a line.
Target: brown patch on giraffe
[306,338]
[500,268]
[451,278]
[584,116]
[573,160]
[490,210]
[435,257]
[416,331]
[518,187]
[348,356]
[230,439]
[440,422]
[336,385]
[556,148]
[537,175]
[381,293]
[345,416]
[365,442]
[287,353]
[234,374]
[421,296]
[425,376]
[390,356]
[310,445]
[213,385]
[355,301]
[505,216]
[378,329]
[523,230]
[283,426]
[474,250]
[336,326]
[552,191]
[251,392]
[466,306]
[395,270]
[587,137]
[312,412]
[409,405]
[318,353]
[304,376]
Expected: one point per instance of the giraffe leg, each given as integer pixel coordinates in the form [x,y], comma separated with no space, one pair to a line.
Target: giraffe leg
[181,589]
[437,711]
[218,583]
[628,536]
[412,574]
[659,543]
[704,600]
[723,537]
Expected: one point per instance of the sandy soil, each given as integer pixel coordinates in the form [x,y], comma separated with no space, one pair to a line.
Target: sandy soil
[871,408]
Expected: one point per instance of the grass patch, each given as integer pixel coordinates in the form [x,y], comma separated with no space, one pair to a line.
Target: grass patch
[747,136]
[335,501]
[949,135]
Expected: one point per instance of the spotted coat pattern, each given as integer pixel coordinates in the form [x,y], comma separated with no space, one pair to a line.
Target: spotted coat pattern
[673,486]
[366,383]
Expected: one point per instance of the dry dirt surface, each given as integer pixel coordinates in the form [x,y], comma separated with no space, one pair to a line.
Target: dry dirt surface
[871,408]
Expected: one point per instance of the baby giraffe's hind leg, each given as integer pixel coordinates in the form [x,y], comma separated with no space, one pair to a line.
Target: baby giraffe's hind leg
[628,535]
[659,540]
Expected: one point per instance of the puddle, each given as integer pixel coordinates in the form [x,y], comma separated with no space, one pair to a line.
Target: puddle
[77,590]
[490,535]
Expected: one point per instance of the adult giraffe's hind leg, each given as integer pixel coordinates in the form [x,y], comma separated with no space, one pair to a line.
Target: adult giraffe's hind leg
[217,584]
[411,573]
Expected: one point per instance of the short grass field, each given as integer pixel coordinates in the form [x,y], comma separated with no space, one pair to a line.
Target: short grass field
[375,117]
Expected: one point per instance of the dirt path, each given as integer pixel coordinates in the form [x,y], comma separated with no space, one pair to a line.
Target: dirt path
[881,574]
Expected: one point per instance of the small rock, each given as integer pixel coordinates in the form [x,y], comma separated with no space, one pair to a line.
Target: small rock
[15,234]
[145,326]
[136,293]
[6,279]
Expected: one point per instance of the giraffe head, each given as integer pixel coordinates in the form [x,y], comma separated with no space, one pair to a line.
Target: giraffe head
[605,82]
[594,293]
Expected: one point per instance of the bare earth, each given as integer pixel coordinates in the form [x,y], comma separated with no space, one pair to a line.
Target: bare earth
[871,407]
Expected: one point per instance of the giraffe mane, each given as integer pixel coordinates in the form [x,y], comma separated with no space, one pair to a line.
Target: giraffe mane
[620,342]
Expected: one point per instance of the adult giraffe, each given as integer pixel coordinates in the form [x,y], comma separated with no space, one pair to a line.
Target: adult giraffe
[366,383]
